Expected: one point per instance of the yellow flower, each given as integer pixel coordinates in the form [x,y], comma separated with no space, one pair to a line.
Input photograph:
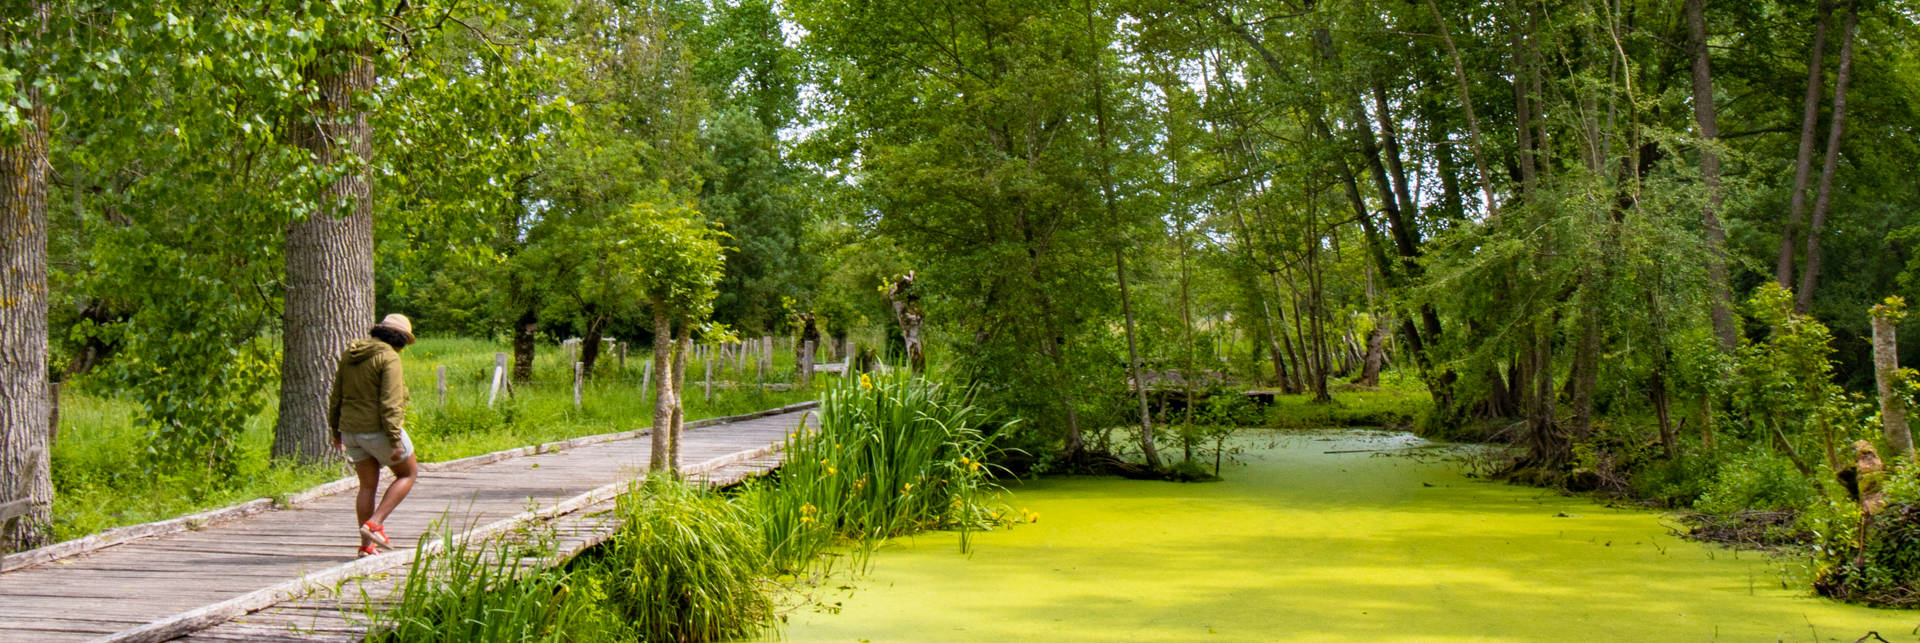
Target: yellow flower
[865,381]
[831,471]
[974,466]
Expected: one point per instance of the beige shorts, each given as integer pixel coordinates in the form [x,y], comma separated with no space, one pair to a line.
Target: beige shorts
[361,446]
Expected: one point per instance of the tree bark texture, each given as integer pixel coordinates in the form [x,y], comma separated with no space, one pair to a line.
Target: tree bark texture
[1803,162]
[590,345]
[1376,353]
[682,345]
[1893,407]
[329,298]
[663,394]
[1721,308]
[24,449]
[525,332]
[1810,274]
[906,311]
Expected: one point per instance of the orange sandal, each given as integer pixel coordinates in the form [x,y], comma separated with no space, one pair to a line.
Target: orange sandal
[367,550]
[376,534]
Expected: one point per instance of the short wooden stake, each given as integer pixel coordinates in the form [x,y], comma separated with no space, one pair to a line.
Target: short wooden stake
[646,376]
[709,380]
[440,383]
[579,377]
[806,365]
[623,357]
[499,372]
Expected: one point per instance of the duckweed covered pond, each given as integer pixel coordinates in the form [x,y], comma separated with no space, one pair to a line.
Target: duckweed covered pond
[1299,544]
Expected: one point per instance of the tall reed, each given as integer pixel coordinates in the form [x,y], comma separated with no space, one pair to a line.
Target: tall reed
[892,455]
[686,565]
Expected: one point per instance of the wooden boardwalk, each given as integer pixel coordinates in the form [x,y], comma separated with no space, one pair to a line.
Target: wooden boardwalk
[302,558]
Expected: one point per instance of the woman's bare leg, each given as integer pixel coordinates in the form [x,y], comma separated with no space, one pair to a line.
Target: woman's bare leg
[369,472]
[404,473]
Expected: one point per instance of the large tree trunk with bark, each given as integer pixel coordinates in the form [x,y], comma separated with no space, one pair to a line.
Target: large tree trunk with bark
[1810,275]
[24,448]
[1721,308]
[663,389]
[329,298]
[1803,162]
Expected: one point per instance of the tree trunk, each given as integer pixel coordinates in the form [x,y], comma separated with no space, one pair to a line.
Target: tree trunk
[1893,406]
[24,449]
[663,392]
[329,297]
[1810,274]
[682,345]
[907,313]
[1466,107]
[590,345]
[1721,311]
[1376,351]
[525,332]
[1133,363]
[1803,162]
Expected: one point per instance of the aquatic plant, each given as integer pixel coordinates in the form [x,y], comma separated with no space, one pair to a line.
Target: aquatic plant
[487,591]
[685,565]
[891,455]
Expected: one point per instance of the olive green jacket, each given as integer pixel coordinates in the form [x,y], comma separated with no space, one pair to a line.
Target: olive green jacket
[369,393]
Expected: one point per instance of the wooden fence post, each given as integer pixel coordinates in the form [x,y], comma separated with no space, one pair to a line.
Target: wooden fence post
[499,371]
[853,354]
[709,364]
[806,365]
[623,356]
[646,377]
[579,377]
[440,384]
[1893,407]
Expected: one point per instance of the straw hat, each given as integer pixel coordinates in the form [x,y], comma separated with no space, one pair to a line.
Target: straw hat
[400,323]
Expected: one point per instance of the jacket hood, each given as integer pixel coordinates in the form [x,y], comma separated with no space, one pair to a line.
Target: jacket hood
[365,348]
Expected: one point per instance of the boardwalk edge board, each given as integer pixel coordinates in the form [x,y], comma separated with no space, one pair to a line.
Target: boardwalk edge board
[211,615]
[119,535]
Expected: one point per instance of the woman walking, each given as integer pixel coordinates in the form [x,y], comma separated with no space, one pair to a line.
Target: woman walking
[368,413]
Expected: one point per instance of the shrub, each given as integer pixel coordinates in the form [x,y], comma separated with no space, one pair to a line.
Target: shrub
[1756,480]
[1884,570]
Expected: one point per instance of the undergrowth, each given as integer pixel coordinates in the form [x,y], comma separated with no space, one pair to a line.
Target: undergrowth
[890,456]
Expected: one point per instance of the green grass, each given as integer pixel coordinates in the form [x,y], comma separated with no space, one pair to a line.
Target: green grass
[100,462]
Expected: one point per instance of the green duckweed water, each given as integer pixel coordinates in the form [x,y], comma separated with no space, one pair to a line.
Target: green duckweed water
[1298,544]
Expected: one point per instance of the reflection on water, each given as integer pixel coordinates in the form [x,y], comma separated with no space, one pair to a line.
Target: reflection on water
[1378,540]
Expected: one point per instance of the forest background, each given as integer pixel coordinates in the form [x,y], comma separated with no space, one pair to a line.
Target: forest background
[1640,240]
